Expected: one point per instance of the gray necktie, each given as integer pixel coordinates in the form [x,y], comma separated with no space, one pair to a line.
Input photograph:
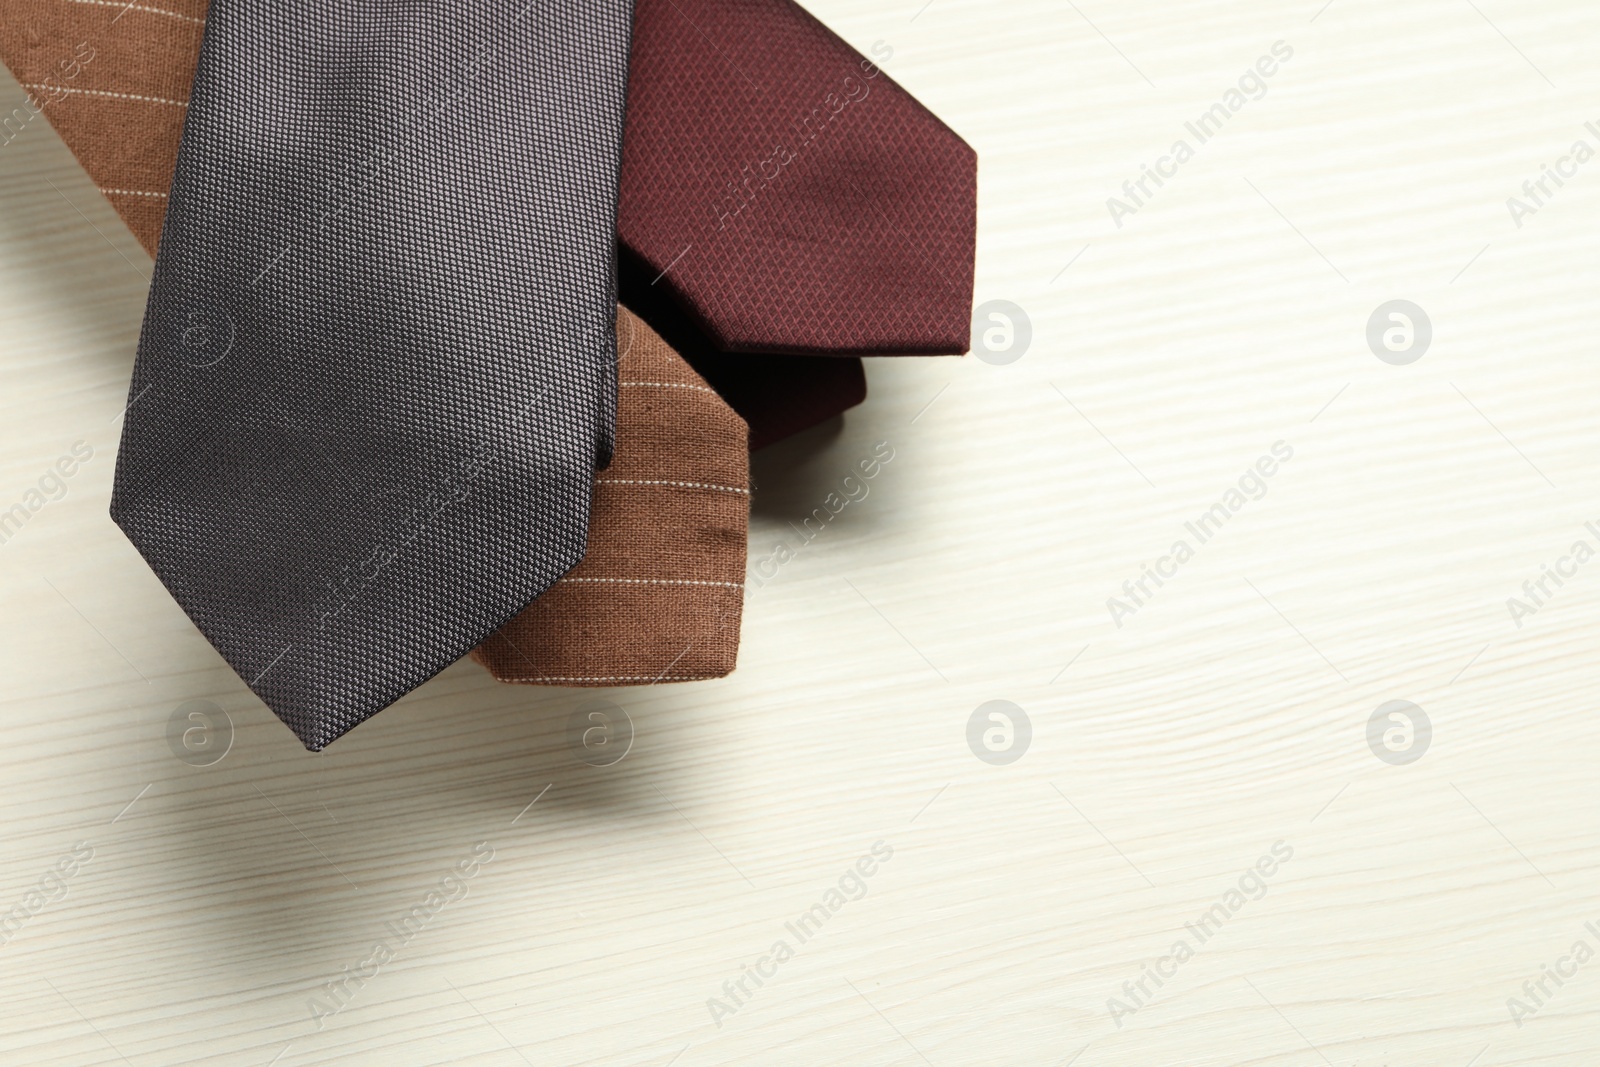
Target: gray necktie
[378,365]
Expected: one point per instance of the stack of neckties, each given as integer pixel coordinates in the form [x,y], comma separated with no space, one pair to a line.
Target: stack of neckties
[386,408]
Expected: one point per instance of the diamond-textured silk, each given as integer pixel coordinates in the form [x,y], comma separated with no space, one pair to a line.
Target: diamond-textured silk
[377,368]
[787,192]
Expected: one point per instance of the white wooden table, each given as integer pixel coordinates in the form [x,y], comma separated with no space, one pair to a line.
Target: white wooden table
[165,913]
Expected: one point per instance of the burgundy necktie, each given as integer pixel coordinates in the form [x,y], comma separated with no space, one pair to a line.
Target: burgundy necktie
[787,197]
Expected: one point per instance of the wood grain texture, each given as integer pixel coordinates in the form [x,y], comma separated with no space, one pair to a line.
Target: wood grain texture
[1168,755]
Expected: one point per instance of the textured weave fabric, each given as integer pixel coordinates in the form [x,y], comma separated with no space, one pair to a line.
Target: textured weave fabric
[122,119]
[371,383]
[787,192]
[684,573]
